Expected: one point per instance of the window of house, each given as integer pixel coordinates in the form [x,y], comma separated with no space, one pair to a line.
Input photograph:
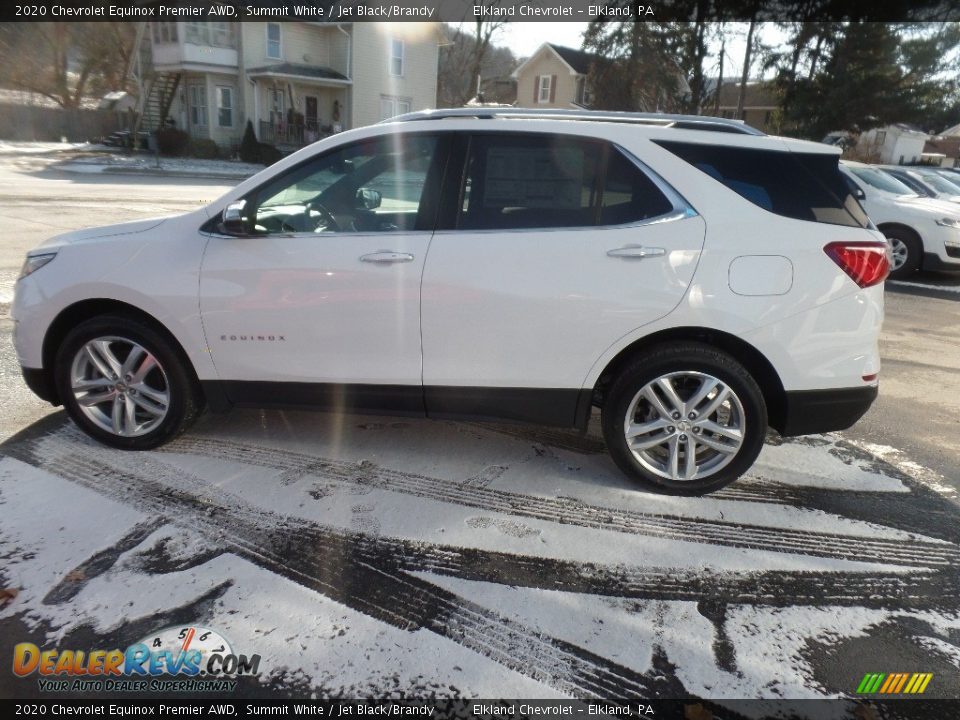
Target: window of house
[273,41]
[546,181]
[164,32]
[198,105]
[391,106]
[396,57]
[222,34]
[225,106]
[373,185]
[198,33]
[543,94]
[584,96]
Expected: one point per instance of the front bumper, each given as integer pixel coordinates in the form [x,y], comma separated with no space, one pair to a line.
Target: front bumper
[932,261]
[817,411]
[40,383]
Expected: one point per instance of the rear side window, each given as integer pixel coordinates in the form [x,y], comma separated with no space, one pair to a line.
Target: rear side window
[803,186]
[553,181]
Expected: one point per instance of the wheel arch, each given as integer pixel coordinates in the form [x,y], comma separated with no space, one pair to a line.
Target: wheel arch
[883,227]
[84,310]
[749,356]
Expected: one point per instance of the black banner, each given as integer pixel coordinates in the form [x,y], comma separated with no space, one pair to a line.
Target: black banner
[491,709]
[339,11]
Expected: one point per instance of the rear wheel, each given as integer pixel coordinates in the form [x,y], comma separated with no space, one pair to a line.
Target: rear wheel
[684,420]
[123,383]
[906,253]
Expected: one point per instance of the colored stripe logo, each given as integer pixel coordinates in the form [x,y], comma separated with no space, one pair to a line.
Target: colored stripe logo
[894,683]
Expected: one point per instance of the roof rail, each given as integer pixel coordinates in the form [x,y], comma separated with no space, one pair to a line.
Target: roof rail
[682,122]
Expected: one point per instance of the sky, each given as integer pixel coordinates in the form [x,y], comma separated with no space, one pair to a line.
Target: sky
[523,38]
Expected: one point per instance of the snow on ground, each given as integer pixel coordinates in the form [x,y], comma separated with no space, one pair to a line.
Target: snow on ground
[32,147]
[147,163]
[366,556]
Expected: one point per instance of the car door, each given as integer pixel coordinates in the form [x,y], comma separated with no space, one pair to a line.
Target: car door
[321,293]
[555,247]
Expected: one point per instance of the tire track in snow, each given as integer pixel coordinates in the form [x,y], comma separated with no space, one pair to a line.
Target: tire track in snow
[915,553]
[343,573]
[774,588]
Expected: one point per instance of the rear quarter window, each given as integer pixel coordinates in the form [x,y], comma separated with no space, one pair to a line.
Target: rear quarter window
[803,186]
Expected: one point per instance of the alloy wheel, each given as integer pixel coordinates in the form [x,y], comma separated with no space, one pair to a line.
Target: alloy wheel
[900,252]
[685,425]
[120,386]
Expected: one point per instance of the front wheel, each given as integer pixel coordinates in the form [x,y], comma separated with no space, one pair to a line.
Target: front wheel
[684,420]
[124,384]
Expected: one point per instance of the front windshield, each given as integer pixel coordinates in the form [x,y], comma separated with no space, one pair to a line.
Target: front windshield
[882,181]
[940,183]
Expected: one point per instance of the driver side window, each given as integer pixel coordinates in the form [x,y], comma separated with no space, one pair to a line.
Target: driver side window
[375,185]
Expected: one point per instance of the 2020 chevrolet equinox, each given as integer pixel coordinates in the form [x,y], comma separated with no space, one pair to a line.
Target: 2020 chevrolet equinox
[694,279]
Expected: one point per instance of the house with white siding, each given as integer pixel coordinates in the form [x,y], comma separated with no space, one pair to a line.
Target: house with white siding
[296,81]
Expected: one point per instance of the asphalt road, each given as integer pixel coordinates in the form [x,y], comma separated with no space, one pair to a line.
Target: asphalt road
[363,556]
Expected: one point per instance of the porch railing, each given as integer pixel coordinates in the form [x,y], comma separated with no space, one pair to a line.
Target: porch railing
[284,133]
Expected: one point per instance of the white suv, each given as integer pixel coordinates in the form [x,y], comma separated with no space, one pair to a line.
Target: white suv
[924,232]
[696,280]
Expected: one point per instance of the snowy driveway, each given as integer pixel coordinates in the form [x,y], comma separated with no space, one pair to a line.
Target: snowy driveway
[375,556]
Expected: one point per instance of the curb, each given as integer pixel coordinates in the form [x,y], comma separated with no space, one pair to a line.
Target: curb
[212,175]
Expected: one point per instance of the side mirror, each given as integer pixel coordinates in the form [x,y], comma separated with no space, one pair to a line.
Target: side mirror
[859,194]
[369,199]
[232,221]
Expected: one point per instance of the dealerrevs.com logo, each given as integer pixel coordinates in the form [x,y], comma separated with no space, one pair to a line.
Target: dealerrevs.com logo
[175,659]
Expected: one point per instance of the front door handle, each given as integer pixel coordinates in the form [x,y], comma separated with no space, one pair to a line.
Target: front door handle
[385,257]
[636,251]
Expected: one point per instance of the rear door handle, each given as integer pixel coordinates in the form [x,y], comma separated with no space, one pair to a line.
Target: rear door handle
[385,257]
[636,251]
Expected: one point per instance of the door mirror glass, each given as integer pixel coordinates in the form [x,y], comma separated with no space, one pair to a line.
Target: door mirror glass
[232,220]
[369,199]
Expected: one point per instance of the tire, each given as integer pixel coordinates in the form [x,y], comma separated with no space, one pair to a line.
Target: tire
[907,250]
[689,368]
[82,377]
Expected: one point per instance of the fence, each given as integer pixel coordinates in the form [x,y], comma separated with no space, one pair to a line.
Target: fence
[27,122]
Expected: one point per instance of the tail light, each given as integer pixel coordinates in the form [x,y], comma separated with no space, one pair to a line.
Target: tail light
[867,263]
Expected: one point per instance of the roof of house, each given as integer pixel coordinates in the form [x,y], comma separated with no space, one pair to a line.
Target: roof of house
[951,131]
[579,60]
[297,70]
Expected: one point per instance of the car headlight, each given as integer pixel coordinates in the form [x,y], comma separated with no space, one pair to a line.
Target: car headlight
[34,263]
[950,223]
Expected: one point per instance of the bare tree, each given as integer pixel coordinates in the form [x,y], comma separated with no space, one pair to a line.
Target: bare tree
[468,58]
[65,61]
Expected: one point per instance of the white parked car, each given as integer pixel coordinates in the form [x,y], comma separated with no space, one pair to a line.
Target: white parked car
[924,232]
[695,280]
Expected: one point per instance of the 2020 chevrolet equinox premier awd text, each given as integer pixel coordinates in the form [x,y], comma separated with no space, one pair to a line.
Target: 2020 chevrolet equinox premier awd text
[694,279]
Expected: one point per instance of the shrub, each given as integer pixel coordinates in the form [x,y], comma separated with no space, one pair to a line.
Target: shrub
[204,148]
[249,147]
[269,154]
[172,142]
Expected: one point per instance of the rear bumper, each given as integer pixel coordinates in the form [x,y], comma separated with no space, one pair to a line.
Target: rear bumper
[39,382]
[818,411]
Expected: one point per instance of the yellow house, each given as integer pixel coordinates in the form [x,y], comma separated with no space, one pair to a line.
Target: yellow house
[296,81]
[554,77]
